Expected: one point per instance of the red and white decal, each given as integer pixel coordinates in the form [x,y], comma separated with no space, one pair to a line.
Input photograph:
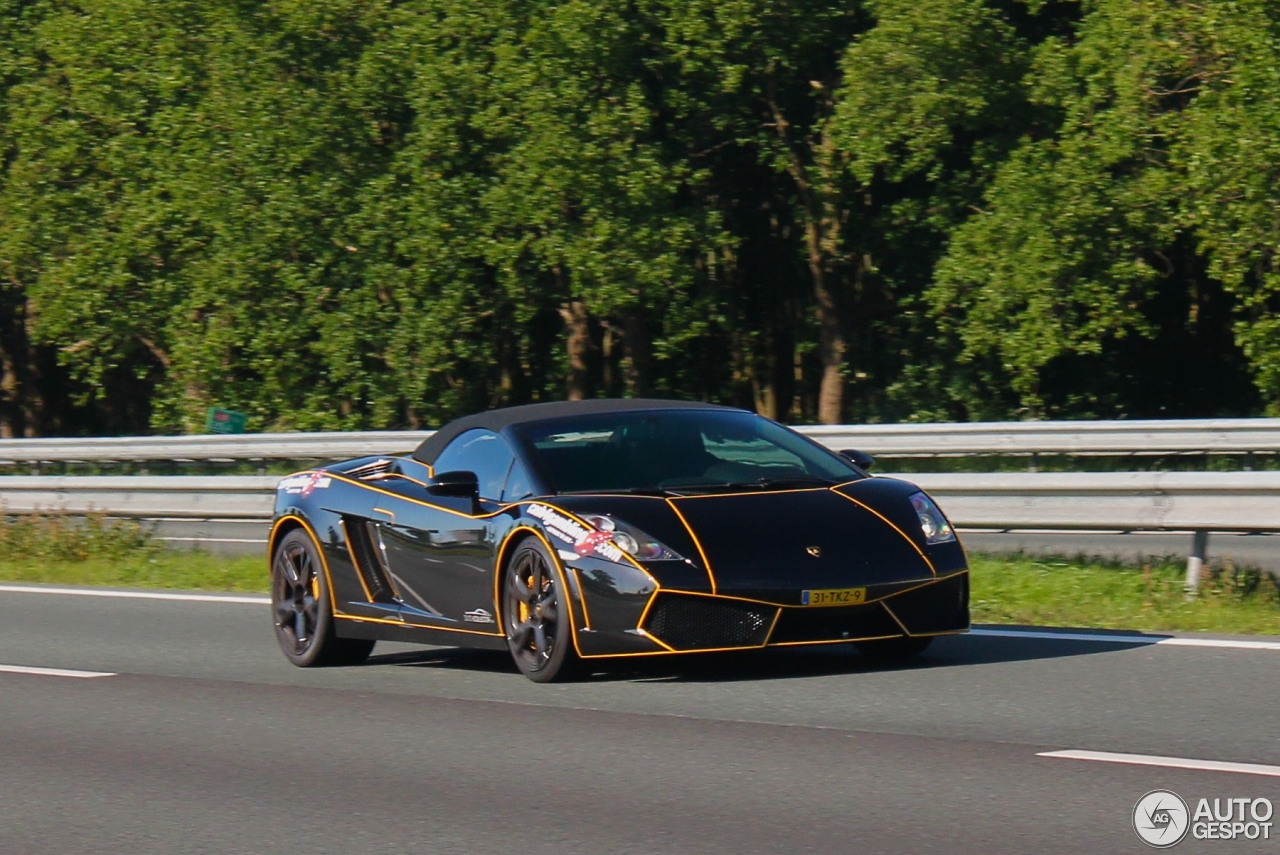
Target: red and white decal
[304,484]
[585,540]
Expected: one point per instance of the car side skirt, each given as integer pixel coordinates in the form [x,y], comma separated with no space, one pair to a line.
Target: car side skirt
[358,628]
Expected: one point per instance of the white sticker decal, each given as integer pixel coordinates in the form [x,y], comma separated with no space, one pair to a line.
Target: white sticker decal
[303,485]
[585,540]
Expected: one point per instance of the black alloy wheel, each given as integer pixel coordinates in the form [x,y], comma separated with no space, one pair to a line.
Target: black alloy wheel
[889,650]
[300,606]
[536,615]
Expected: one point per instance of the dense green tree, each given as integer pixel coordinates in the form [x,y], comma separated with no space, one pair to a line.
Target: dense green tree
[174,206]
[23,408]
[369,213]
[1094,234]
[931,103]
[531,201]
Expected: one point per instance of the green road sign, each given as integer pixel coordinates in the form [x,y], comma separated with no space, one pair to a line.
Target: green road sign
[224,421]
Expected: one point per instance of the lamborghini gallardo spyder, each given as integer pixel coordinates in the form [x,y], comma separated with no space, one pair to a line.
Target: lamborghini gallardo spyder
[567,532]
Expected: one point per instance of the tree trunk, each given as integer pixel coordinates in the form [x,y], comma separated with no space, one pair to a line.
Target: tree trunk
[636,350]
[29,379]
[819,189]
[831,347]
[577,345]
[9,426]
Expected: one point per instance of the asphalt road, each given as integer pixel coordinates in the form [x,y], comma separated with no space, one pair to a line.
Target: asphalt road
[207,741]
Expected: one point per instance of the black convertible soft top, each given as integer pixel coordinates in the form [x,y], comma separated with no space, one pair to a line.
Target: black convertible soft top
[496,420]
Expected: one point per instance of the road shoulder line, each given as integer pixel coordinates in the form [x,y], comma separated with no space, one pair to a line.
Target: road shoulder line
[1101,638]
[136,595]
[53,672]
[1166,762]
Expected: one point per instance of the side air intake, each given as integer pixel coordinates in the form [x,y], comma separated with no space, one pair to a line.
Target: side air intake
[362,539]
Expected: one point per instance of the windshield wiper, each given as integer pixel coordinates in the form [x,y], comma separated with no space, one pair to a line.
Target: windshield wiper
[783,482]
[621,491]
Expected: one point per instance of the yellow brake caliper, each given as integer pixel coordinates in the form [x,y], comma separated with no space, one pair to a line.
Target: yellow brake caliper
[524,607]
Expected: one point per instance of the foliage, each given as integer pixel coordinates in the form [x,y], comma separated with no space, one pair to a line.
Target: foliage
[1081,225]
[55,536]
[384,213]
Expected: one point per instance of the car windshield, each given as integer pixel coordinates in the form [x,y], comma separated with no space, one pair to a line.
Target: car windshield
[677,451]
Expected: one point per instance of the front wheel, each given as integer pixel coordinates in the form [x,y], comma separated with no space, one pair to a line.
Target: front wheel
[886,650]
[300,603]
[536,616]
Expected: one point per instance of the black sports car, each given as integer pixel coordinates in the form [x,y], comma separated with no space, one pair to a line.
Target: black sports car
[607,528]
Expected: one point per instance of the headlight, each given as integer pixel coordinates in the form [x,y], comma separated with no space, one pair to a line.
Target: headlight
[630,539]
[602,536]
[934,525]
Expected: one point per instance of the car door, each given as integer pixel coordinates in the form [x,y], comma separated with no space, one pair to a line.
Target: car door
[441,558]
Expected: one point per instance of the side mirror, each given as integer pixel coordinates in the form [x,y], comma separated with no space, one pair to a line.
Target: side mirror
[860,459]
[460,483]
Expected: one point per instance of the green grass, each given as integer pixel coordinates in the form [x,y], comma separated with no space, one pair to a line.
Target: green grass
[1082,593]
[181,571]
[56,549]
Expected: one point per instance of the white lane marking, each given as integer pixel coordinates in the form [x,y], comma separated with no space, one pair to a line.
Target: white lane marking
[52,672]
[1066,636]
[1167,762]
[135,595]
[1130,639]
[1220,642]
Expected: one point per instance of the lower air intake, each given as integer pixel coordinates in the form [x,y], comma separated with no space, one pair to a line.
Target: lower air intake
[697,623]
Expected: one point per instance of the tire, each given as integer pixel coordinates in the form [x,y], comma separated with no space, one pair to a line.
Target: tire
[536,615]
[302,610]
[887,650]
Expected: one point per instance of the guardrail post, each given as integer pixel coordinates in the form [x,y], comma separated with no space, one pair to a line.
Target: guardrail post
[1195,561]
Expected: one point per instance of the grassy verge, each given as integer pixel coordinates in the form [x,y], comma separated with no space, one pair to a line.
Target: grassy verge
[1012,590]
[1082,593]
[60,550]
[181,571]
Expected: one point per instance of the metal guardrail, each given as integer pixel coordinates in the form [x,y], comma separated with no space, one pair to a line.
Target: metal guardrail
[249,446]
[1109,501]
[1199,502]
[223,497]
[1104,501]
[1173,436]
[1202,436]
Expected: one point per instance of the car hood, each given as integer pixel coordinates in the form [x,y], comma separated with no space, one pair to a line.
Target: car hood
[769,543]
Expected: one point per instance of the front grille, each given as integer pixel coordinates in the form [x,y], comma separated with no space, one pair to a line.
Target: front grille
[837,623]
[696,623]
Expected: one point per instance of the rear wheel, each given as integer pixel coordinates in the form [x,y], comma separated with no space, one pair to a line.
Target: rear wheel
[893,649]
[301,606]
[536,615]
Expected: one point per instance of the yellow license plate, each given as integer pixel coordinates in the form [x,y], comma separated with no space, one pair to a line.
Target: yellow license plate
[834,597]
